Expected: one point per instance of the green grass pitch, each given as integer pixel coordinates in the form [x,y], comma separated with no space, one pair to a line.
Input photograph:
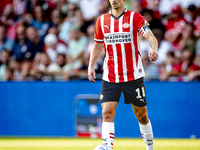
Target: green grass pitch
[89,144]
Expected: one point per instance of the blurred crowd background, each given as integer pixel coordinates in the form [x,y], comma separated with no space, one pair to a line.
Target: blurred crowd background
[44,40]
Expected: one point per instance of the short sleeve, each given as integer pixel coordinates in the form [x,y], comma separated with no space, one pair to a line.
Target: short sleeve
[98,34]
[142,24]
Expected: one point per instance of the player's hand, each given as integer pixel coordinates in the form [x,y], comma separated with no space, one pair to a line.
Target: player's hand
[153,55]
[91,75]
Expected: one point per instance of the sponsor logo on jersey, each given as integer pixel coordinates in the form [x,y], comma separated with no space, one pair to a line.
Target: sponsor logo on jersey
[126,25]
[106,26]
[118,38]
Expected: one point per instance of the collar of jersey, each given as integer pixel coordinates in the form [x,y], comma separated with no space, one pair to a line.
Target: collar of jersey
[116,18]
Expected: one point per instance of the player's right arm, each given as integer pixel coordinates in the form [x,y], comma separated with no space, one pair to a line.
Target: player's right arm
[94,55]
[96,49]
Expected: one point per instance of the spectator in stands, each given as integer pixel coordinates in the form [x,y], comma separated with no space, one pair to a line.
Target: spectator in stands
[15,65]
[154,23]
[25,70]
[40,23]
[37,71]
[187,3]
[4,42]
[167,66]
[56,18]
[151,70]
[68,22]
[80,22]
[165,6]
[53,70]
[19,7]
[37,60]
[21,44]
[103,8]
[189,40]
[9,74]
[127,4]
[152,5]
[190,14]
[99,64]
[163,46]
[77,46]
[89,9]
[175,26]
[198,51]
[59,64]
[76,49]
[179,72]
[36,45]
[194,75]
[197,25]
[53,47]
[4,61]
[136,7]
[7,17]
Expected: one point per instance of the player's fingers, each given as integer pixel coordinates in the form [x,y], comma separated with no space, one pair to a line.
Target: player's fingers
[153,56]
[91,78]
[94,74]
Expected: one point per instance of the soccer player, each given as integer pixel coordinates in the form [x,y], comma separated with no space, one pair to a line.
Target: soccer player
[117,31]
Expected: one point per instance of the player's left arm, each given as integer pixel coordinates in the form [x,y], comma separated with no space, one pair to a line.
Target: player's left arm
[153,54]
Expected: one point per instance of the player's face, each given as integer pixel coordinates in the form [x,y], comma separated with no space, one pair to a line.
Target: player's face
[116,4]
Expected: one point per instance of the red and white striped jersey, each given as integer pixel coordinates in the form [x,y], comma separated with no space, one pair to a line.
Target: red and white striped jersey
[122,61]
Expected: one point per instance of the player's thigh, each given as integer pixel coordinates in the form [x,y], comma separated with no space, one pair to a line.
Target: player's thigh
[110,92]
[134,92]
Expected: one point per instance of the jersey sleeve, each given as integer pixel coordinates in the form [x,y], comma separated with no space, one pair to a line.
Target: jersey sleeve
[142,24]
[98,34]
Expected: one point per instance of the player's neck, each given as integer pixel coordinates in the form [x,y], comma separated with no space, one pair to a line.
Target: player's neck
[118,12]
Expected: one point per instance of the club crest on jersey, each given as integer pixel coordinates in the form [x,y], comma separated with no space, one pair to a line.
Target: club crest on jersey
[126,25]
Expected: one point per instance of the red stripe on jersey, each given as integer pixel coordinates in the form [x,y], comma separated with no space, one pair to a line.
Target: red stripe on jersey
[111,64]
[112,144]
[128,48]
[98,31]
[129,61]
[111,137]
[112,134]
[120,63]
[106,24]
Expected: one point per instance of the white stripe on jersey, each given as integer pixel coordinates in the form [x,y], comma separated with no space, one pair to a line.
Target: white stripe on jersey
[98,40]
[102,24]
[105,67]
[114,51]
[132,44]
[123,51]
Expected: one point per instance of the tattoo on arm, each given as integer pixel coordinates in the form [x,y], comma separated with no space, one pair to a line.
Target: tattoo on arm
[151,42]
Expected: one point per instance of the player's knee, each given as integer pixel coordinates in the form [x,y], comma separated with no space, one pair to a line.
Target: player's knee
[143,118]
[108,114]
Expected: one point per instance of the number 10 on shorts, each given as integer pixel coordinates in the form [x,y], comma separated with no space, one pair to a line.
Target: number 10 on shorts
[139,94]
